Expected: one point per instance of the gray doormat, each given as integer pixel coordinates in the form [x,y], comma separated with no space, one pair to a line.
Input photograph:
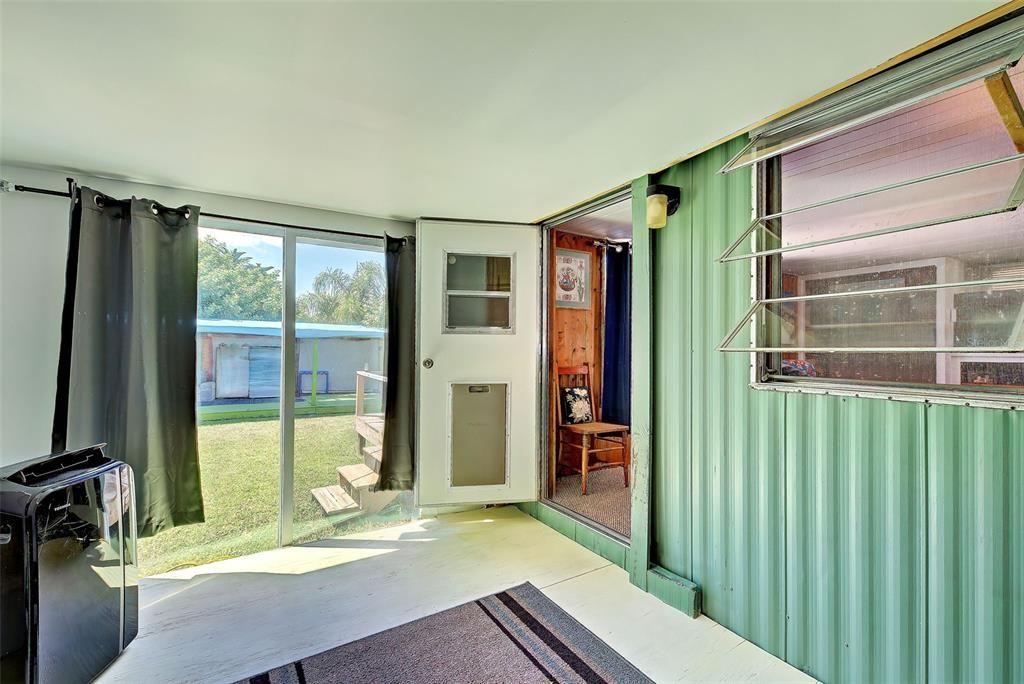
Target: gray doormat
[518,635]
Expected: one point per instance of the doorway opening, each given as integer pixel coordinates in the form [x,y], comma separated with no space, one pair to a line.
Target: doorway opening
[588,296]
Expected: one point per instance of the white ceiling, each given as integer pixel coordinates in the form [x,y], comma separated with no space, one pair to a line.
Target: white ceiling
[614,222]
[505,111]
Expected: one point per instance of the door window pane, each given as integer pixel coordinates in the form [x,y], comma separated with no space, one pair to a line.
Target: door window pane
[478,273]
[468,311]
[478,293]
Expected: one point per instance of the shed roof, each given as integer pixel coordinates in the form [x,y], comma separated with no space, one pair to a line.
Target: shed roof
[273,329]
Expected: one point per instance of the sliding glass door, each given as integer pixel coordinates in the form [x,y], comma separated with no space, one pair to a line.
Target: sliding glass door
[238,379]
[339,341]
[289,394]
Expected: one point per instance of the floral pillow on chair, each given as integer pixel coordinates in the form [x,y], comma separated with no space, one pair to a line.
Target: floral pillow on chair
[576,406]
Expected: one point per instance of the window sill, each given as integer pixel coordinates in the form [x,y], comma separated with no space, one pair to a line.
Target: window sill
[918,395]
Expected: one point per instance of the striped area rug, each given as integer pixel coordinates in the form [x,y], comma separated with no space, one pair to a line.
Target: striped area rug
[518,635]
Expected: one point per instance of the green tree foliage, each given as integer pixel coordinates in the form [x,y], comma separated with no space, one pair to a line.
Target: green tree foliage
[365,298]
[322,304]
[232,286]
[340,297]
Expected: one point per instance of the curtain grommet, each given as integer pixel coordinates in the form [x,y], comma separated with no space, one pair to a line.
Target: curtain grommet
[152,208]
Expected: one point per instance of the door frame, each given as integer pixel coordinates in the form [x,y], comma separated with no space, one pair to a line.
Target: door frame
[544,386]
[674,590]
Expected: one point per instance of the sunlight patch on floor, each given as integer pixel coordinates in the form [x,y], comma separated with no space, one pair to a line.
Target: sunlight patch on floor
[312,556]
[233,619]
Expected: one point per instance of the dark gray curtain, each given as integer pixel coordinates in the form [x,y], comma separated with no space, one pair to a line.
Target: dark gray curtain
[397,460]
[127,369]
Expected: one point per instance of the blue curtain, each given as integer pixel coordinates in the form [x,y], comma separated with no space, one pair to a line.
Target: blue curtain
[615,391]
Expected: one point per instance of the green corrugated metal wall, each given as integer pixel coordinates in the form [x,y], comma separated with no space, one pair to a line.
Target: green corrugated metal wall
[975,476]
[860,540]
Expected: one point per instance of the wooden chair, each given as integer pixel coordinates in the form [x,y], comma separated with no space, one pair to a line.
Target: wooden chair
[601,445]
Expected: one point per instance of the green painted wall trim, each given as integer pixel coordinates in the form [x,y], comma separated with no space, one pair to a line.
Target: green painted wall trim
[676,591]
[638,561]
[607,547]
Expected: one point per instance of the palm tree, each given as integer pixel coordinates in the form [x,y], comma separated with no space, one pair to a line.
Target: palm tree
[322,303]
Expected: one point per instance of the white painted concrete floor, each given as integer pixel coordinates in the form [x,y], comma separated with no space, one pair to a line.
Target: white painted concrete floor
[232,619]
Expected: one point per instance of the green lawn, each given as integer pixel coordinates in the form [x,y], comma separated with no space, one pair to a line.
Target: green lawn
[239,466]
[323,405]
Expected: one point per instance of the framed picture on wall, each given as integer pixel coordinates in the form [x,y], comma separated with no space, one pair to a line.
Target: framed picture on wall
[572,279]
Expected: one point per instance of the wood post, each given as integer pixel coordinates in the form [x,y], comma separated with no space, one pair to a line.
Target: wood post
[360,392]
[585,464]
[1004,97]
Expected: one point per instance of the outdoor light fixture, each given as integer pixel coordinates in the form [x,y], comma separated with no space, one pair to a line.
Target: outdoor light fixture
[662,202]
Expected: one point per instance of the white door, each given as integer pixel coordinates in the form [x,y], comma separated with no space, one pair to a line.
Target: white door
[478,351]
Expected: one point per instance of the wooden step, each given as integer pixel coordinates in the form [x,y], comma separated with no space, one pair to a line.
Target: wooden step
[371,428]
[333,499]
[359,480]
[356,478]
[371,457]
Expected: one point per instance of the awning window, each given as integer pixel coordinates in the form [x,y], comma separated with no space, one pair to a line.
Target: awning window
[976,58]
[891,223]
[969,192]
[888,320]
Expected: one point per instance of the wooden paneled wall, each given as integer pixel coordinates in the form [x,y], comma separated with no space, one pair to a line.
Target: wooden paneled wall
[576,334]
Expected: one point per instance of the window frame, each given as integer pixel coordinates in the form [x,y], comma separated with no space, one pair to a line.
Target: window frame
[765,276]
[985,55]
[447,329]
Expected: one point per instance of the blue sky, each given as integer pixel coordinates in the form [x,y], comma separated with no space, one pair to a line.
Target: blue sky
[310,259]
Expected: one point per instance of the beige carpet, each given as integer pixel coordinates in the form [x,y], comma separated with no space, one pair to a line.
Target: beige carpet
[606,502]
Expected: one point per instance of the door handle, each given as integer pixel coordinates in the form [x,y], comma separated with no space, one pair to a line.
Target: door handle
[428,363]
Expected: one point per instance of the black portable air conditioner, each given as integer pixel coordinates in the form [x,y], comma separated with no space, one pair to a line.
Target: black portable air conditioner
[68,570]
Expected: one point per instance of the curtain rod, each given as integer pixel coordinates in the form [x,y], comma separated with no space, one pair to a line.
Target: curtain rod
[278,224]
[611,244]
[5,186]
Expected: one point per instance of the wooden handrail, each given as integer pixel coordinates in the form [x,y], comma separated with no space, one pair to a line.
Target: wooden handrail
[372,376]
[361,377]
